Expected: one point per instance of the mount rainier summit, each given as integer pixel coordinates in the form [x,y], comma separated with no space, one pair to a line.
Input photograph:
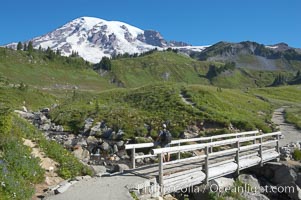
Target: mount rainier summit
[94,38]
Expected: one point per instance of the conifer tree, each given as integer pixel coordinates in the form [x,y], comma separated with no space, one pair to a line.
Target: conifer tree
[30,46]
[25,47]
[19,46]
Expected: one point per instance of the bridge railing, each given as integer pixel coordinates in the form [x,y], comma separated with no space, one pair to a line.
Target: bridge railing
[178,143]
[242,144]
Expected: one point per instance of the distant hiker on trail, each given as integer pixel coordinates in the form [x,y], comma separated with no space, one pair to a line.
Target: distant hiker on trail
[164,140]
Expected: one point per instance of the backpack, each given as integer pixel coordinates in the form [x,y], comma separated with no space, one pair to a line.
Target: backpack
[166,137]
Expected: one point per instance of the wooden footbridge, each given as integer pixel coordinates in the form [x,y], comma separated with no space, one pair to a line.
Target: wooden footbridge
[212,157]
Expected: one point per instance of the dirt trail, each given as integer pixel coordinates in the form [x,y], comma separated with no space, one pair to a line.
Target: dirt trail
[291,134]
[186,101]
[50,166]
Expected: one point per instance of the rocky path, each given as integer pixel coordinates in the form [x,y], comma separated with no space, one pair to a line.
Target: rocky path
[186,101]
[111,187]
[291,134]
[51,178]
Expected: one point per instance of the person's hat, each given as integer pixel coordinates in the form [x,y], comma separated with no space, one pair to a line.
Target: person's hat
[164,125]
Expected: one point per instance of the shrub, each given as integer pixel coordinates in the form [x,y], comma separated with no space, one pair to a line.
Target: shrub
[297,154]
[19,170]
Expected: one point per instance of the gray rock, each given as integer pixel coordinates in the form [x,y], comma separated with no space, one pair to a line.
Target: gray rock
[45,127]
[88,124]
[221,183]
[298,181]
[116,158]
[81,154]
[99,170]
[120,168]
[92,140]
[125,157]
[284,174]
[115,148]
[119,135]
[107,134]
[105,146]
[95,130]
[59,128]
[254,196]
[25,115]
[68,143]
[293,192]
[250,180]
[43,119]
[139,161]
[147,160]
[45,110]
[62,188]
[120,143]
[80,141]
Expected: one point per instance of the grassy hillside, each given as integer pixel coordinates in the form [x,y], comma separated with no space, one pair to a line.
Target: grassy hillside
[131,109]
[160,66]
[171,67]
[58,73]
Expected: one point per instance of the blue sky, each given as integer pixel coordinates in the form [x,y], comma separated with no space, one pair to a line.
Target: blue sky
[198,22]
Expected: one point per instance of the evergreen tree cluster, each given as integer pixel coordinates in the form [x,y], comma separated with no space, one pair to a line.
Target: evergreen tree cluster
[279,80]
[216,70]
[104,64]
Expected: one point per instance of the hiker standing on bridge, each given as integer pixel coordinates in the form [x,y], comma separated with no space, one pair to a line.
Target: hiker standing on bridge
[164,140]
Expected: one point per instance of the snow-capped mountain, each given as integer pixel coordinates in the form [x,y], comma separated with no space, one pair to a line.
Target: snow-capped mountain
[94,38]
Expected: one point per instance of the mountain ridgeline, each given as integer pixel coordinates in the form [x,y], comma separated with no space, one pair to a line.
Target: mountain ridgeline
[253,55]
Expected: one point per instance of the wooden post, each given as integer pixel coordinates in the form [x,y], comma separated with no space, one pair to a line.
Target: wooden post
[277,147]
[277,144]
[133,158]
[211,148]
[237,157]
[179,153]
[254,142]
[260,151]
[160,157]
[207,164]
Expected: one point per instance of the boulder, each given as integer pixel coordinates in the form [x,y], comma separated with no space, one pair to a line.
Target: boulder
[81,154]
[221,183]
[68,143]
[254,196]
[115,148]
[95,130]
[105,146]
[60,128]
[120,168]
[283,174]
[292,190]
[298,181]
[63,188]
[88,124]
[119,135]
[91,140]
[45,110]
[120,143]
[107,134]
[45,127]
[250,180]
[99,170]
[25,115]
[43,119]
[80,141]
